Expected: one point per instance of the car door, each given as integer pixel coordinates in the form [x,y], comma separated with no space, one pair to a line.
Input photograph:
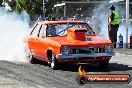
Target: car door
[42,42]
[33,39]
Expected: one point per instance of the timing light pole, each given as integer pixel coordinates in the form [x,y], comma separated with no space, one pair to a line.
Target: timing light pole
[44,2]
[43,8]
[127,21]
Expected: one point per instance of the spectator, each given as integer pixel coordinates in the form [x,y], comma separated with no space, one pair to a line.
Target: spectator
[41,18]
[114,25]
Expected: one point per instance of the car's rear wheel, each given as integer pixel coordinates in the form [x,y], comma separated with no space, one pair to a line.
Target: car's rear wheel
[53,62]
[32,59]
[104,64]
[29,56]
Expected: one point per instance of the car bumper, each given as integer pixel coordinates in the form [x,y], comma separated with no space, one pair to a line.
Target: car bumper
[91,55]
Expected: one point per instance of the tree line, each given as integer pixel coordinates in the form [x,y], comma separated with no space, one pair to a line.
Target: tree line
[34,7]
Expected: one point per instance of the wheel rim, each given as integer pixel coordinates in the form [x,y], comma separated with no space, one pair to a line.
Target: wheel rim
[52,61]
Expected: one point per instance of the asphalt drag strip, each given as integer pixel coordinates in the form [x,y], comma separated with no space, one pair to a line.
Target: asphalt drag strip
[26,75]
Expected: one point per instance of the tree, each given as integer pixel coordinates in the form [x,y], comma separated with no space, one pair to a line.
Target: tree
[31,6]
[11,3]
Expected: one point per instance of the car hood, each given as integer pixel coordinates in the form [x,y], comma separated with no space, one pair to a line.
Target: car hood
[90,41]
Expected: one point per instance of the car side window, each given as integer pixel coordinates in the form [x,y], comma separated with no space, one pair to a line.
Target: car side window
[51,30]
[35,30]
[42,32]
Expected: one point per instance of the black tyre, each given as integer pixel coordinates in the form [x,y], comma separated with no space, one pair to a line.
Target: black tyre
[53,62]
[104,64]
[29,56]
[32,59]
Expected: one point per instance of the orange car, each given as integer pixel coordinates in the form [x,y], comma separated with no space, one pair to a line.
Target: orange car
[58,42]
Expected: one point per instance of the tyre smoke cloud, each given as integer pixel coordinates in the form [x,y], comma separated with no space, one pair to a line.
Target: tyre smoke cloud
[13,28]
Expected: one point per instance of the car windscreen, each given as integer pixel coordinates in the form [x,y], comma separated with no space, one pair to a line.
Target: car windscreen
[61,29]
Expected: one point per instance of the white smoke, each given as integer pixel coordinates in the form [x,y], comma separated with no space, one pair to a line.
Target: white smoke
[100,21]
[12,31]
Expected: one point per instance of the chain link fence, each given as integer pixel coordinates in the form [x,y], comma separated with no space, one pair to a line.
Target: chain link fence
[88,9]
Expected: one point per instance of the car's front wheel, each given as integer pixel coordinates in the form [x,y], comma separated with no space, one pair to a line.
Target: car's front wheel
[53,62]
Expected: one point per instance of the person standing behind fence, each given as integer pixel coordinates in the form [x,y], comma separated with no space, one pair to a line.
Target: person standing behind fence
[41,18]
[114,25]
